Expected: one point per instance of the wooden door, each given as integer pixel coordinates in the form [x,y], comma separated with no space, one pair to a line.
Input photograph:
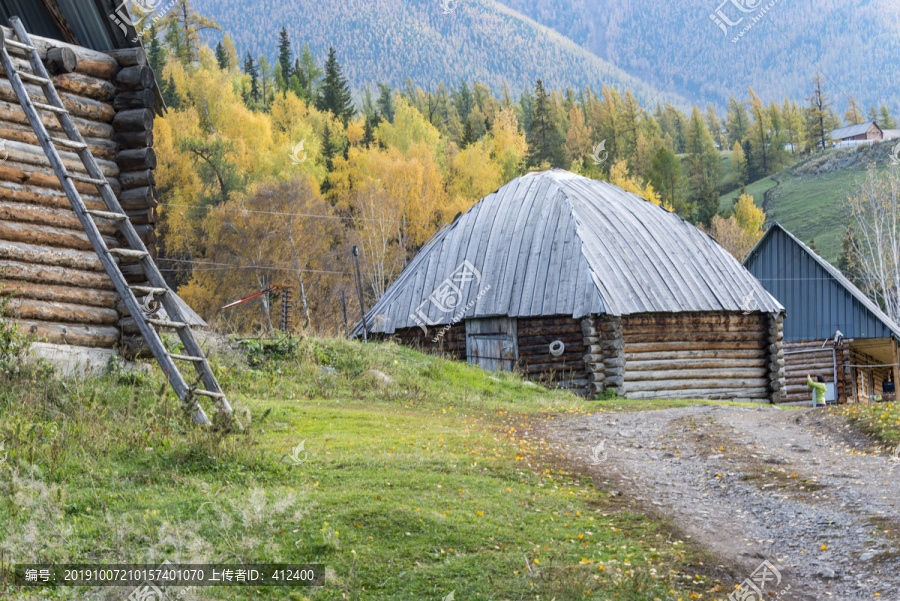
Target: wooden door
[491,343]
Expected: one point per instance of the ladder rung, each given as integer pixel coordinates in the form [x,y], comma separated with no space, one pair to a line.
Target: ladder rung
[128,253]
[214,395]
[107,215]
[167,324]
[87,180]
[148,290]
[20,45]
[69,143]
[187,358]
[49,107]
[33,78]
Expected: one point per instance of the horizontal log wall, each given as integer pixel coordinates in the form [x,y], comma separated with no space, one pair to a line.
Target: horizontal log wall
[701,355]
[60,292]
[536,363]
[810,358]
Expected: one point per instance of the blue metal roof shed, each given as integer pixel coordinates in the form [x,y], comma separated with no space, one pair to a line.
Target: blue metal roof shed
[817,297]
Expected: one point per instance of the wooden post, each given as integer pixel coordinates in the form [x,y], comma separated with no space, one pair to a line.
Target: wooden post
[896,367]
[344,305]
[362,302]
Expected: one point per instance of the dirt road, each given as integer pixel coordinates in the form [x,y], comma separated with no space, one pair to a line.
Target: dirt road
[797,488]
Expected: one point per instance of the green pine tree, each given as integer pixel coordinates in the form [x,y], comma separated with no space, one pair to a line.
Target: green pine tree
[545,140]
[308,72]
[369,130]
[170,94]
[848,262]
[385,102]
[738,121]
[818,117]
[885,120]
[334,95]
[284,55]
[463,100]
[222,57]
[252,70]
[156,52]
[665,175]
[704,169]
[468,136]
[329,150]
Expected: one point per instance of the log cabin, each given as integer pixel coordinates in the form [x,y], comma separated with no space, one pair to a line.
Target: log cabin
[580,285]
[61,295]
[832,329]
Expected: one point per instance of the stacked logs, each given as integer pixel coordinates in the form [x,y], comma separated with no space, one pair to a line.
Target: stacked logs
[775,365]
[535,335]
[808,358]
[133,126]
[61,293]
[605,356]
[699,355]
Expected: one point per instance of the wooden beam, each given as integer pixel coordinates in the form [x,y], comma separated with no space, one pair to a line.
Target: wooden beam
[59,19]
[896,368]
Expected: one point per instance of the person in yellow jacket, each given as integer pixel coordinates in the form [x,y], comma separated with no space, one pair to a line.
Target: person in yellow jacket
[818,387]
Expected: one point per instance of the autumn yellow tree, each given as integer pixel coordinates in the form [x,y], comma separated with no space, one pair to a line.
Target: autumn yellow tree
[277,234]
[739,233]
[619,176]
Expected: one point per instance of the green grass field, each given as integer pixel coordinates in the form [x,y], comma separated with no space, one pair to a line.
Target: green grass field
[431,485]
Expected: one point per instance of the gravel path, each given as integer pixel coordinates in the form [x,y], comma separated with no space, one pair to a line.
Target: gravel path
[797,488]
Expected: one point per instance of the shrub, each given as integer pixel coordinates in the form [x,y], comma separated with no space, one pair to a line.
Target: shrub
[13,343]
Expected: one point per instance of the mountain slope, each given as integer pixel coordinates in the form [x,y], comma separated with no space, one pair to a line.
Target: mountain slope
[810,198]
[390,40]
[855,44]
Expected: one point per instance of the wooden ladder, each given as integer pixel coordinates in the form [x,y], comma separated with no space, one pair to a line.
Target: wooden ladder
[206,384]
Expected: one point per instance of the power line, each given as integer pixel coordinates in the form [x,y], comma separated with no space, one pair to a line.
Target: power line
[308,215]
[232,266]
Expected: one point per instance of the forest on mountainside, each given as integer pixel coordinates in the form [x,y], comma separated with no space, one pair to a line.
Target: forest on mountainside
[853,44]
[389,41]
[270,172]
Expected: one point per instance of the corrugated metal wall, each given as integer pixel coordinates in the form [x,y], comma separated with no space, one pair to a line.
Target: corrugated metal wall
[817,301]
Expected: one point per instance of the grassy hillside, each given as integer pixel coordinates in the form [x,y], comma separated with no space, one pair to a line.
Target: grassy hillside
[392,40]
[434,483]
[853,42]
[809,199]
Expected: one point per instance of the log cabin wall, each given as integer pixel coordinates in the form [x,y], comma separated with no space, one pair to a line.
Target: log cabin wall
[61,294]
[537,363]
[605,354]
[451,344]
[810,358]
[702,355]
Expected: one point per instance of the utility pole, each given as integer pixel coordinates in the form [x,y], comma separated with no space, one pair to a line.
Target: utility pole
[359,289]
